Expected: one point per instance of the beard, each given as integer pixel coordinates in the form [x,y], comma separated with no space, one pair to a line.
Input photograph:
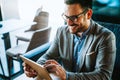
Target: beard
[75,28]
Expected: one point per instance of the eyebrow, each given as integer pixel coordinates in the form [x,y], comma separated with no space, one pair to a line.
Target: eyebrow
[85,10]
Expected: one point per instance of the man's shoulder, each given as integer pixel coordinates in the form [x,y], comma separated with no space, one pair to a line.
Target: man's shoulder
[63,28]
[63,31]
[101,29]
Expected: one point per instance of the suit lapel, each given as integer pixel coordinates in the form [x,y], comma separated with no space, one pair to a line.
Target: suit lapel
[85,48]
[70,44]
[88,41]
[69,48]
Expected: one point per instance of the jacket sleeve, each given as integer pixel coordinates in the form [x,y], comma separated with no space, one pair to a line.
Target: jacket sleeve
[53,51]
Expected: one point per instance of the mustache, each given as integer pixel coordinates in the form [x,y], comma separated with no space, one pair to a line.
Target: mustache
[74,25]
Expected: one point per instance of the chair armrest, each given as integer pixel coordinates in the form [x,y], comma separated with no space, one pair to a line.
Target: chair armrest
[37,52]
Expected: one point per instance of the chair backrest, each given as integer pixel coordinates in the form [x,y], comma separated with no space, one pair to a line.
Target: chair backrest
[39,37]
[41,19]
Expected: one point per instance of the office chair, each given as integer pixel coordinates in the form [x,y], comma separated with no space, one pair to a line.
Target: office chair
[39,38]
[41,20]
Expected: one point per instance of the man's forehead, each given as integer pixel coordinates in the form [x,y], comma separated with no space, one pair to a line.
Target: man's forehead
[72,9]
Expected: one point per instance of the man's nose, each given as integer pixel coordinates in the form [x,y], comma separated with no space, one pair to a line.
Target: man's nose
[69,22]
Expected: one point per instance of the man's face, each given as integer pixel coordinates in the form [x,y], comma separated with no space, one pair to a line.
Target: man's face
[76,18]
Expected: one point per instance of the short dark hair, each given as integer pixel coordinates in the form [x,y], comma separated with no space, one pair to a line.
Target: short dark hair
[83,3]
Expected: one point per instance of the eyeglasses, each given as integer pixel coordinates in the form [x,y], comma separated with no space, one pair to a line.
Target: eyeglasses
[75,17]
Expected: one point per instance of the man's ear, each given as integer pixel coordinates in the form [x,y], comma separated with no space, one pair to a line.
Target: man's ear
[89,13]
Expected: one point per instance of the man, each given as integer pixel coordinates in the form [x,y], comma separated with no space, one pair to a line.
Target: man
[82,49]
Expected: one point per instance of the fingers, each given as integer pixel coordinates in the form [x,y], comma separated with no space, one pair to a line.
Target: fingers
[29,71]
[54,67]
[51,65]
[31,74]
[51,62]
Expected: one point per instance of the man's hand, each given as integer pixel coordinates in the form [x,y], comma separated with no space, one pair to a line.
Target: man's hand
[54,67]
[29,71]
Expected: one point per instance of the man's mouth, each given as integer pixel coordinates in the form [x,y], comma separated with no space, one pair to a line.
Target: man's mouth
[73,25]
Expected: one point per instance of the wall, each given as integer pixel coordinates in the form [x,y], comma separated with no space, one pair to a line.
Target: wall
[9,9]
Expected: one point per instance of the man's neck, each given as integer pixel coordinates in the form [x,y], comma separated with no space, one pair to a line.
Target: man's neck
[79,34]
[86,28]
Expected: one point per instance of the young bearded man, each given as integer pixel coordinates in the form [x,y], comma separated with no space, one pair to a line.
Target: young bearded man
[82,49]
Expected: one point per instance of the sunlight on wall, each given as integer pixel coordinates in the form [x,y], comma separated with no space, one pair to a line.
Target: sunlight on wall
[9,9]
[27,9]
[54,7]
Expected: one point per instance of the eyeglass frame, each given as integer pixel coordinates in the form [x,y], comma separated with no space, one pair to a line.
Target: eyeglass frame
[74,18]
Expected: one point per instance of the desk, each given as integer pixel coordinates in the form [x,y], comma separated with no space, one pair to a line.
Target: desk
[12,25]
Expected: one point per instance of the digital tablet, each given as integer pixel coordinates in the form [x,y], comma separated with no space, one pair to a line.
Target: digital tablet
[42,72]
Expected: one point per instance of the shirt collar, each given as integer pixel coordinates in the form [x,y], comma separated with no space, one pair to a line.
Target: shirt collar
[85,33]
